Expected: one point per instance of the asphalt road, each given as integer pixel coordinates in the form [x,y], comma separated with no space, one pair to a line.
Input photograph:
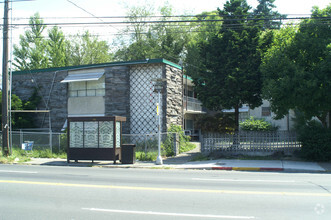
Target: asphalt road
[45,192]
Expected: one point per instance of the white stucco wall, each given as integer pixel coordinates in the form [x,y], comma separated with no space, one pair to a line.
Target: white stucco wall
[282,124]
[83,106]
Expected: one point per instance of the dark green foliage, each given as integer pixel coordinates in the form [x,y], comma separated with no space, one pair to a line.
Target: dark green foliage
[297,68]
[16,104]
[316,142]
[253,124]
[25,120]
[227,74]
[264,10]
[184,141]
[221,123]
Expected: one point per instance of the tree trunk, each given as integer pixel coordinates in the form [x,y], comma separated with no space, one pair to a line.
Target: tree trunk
[323,120]
[236,118]
[236,141]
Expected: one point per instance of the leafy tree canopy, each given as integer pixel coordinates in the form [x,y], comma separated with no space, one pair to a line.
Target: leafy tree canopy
[264,10]
[22,120]
[87,49]
[37,50]
[226,74]
[297,68]
[159,40]
[31,51]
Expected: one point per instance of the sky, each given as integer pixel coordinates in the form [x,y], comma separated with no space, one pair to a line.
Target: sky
[21,10]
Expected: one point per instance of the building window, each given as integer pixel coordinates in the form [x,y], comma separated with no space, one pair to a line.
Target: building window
[189,124]
[87,88]
[266,111]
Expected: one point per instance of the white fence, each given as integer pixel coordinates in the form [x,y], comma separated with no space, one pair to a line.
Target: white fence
[251,142]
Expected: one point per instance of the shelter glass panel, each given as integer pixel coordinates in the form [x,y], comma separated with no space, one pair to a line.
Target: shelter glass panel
[118,134]
[76,134]
[106,134]
[91,134]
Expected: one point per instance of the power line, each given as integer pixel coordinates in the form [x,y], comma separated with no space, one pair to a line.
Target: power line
[195,30]
[173,21]
[167,16]
[89,12]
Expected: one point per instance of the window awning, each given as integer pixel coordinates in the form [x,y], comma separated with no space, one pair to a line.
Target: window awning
[82,77]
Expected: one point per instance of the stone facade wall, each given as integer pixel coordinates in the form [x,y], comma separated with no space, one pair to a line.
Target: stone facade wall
[118,94]
[173,96]
[52,92]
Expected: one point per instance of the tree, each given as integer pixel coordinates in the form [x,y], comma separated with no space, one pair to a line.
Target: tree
[87,49]
[56,48]
[228,73]
[202,32]
[31,52]
[35,51]
[22,120]
[297,68]
[159,40]
[264,10]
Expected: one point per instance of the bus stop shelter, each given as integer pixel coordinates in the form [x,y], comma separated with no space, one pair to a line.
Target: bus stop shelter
[94,138]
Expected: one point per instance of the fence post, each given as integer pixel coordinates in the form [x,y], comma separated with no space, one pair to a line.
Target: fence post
[145,138]
[202,142]
[59,142]
[51,140]
[21,138]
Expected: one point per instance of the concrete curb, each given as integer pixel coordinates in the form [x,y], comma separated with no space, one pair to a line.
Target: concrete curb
[224,165]
[248,168]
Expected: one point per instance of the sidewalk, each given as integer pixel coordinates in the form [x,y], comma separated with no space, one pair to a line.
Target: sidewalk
[221,164]
[182,161]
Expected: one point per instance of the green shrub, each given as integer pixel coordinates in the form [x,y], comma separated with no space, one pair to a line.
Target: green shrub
[253,124]
[64,141]
[16,156]
[316,142]
[184,141]
[221,122]
[149,156]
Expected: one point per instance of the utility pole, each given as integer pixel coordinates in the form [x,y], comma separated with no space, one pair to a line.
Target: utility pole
[5,120]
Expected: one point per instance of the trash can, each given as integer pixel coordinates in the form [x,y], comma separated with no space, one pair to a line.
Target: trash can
[128,153]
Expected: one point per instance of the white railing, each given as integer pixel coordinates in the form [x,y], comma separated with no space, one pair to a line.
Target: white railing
[249,141]
[192,104]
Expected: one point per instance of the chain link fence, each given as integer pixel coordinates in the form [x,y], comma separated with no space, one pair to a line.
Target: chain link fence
[149,142]
[55,142]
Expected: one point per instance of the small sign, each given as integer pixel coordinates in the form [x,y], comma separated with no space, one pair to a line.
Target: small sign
[27,146]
